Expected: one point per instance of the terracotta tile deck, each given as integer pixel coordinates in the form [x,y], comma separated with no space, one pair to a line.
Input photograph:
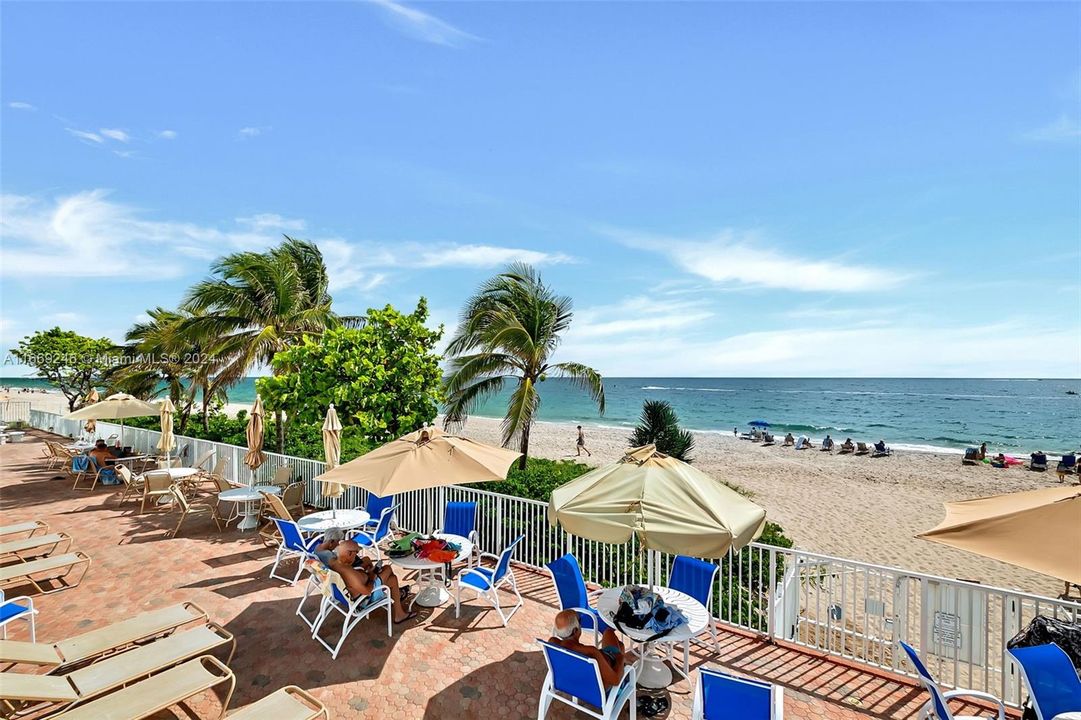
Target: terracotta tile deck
[440,667]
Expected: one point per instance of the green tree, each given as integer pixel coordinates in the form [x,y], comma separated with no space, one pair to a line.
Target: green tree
[258,304]
[508,332]
[659,425]
[73,363]
[383,377]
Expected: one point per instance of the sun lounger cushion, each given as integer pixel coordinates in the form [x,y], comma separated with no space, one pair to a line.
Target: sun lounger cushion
[44,688]
[30,527]
[44,565]
[18,546]
[288,703]
[125,632]
[29,653]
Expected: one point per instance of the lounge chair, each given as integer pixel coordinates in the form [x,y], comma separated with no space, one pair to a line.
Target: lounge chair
[862,449]
[292,545]
[381,532]
[972,456]
[880,450]
[104,640]
[287,703]
[789,440]
[718,696]
[25,693]
[186,507]
[272,509]
[336,599]
[282,476]
[157,484]
[487,581]
[1051,679]
[55,569]
[34,547]
[84,467]
[374,506]
[938,706]
[30,527]
[1067,465]
[17,608]
[292,497]
[846,448]
[1038,462]
[575,680]
[571,590]
[460,518]
[696,578]
[158,692]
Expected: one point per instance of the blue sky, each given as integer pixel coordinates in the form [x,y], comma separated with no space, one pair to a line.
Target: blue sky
[764,189]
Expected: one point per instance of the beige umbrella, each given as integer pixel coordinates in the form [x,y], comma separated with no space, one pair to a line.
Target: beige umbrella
[115,407]
[332,450]
[167,441]
[1038,529]
[91,397]
[254,433]
[427,458]
[668,505]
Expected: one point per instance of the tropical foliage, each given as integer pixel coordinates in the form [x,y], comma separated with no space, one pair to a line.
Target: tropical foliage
[659,425]
[508,333]
[73,363]
[383,378]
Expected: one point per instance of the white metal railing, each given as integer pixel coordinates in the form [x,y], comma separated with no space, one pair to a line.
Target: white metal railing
[15,411]
[845,608]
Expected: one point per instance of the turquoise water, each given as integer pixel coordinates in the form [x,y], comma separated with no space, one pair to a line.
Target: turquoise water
[924,414]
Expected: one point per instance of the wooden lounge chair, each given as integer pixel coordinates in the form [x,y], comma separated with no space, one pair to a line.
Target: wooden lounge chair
[103,641]
[862,449]
[24,693]
[158,692]
[287,703]
[55,569]
[31,528]
[273,507]
[34,547]
[197,505]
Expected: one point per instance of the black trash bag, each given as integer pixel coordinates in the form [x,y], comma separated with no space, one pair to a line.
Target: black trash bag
[1043,630]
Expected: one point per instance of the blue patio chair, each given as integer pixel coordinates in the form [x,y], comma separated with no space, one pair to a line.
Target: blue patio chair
[571,589]
[292,545]
[1051,679]
[695,578]
[720,696]
[17,608]
[375,506]
[336,599]
[460,518]
[487,581]
[937,707]
[575,680]
[382,530]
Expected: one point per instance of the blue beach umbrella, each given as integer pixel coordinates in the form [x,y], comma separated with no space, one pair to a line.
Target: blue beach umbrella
[759,423]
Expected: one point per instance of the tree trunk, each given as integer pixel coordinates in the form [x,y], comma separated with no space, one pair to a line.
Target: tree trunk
[524,446]
[279,425]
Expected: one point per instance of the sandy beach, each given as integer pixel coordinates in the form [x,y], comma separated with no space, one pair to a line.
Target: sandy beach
[852,507]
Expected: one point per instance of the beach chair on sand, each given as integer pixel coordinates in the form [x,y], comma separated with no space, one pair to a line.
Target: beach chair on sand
[1038,462]
[972,457]
[1052,682]
[287,703]
[767,439]
[52,570]
[34,547]
[862,449]
[30,527]
[880,450]
[103,641]
[938,706]
[1066,465]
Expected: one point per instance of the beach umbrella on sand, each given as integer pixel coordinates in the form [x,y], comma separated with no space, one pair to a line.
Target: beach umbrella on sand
[668,505]
[254,433]
[115,407]
[759,423]
[92,397]
[332,450]
[1039,530]
[167,440]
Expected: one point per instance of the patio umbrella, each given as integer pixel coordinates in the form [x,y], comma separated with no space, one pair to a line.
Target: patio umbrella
[115,407]
[668,505]
[1039,530]
[92,397]
[759,423]
[332,450]
[254,433]
[427,458]
[167,441]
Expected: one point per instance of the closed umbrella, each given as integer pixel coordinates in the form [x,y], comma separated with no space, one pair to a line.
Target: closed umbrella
[1039,530]
[167,441]
[332,450]
[668,505]
[254,433]
[92,397]
[115,407]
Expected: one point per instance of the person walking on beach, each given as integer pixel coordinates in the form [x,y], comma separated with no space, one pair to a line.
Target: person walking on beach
[582,443]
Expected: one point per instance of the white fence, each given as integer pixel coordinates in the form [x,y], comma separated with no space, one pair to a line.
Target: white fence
[840,607]
[12,411]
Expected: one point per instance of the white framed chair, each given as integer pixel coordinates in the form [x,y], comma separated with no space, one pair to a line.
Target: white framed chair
[695,578]
[718,696]
[938,706]
[336,599]
[292,545]
[487,581]
[575,680]
[381,532]
[17,608]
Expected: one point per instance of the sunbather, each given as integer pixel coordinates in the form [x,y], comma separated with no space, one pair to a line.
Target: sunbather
[803,443]
[983,451]
[610,657]
[325,549]
[367,577]
[999,461]
[789,440]
[827,444]
[848,446]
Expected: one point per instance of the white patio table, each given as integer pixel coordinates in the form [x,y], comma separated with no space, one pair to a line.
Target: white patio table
[251,497]
[318,523]
[433,592]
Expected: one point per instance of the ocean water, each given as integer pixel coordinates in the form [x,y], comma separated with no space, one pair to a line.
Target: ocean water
[917,414]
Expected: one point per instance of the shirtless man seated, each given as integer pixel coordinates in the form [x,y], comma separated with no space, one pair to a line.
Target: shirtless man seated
[364,579]
[611,656]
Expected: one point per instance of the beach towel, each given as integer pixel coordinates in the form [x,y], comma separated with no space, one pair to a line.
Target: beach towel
[80,463]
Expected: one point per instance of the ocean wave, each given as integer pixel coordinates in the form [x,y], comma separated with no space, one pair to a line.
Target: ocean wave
[689,389]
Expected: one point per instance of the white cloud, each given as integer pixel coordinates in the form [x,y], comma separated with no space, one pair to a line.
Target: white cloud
[19,105]
[115,134]
[637,316]
[734,258]
[86,136]
[478,256]
[250,132]
[167,134]
[422,26]
[1061,129]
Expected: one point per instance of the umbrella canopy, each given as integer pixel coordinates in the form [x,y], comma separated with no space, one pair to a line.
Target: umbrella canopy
[426,458]
[92,397]
[332,449]
[669,505]
[254,433]
[1038,529]
[759,423]
[115,407]
[167,441]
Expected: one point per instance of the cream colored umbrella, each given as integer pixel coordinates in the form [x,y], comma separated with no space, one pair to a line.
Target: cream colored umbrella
[427,458]
[115,407]
[1038,529]
[167,440]
[92,397]
[255,457]
[332,450]
[668,505]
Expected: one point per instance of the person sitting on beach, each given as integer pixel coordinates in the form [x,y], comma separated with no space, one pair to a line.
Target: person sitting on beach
[804,442]
[983,451]
[366,578]
[325,549]
[848,445]
[999,461]
[610,657]
[827,444]
[789,440]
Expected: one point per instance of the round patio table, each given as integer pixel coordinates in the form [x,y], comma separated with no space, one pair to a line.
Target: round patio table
[652,670]
[1068,716]
[318,523]
[249,514]
[433,593]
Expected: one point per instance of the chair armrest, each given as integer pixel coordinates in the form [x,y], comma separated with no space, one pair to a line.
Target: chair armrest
[964,692]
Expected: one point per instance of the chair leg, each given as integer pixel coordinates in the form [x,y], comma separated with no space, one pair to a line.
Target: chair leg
[713,632]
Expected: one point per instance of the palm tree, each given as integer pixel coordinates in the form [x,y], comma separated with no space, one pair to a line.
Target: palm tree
[258,304]
[659,425]
[508,332]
